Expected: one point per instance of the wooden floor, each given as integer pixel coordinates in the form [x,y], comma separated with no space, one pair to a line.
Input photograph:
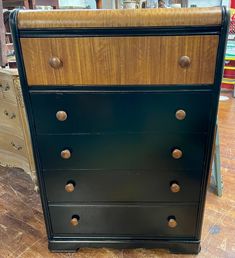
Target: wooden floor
[22,232]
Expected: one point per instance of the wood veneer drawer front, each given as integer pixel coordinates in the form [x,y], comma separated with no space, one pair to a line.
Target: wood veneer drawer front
[122,151]
[122,185]
[101,220]
[92,112]
[120,60]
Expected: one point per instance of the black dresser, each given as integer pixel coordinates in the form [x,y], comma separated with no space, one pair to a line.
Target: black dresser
[122,108]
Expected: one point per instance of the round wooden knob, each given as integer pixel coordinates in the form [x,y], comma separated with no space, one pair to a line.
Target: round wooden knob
[55,62]
[175,188]
[65,154]
[177,154]
[74,221]
[184,61]
[180,114]
[172,223]
[61,115]
[69,187]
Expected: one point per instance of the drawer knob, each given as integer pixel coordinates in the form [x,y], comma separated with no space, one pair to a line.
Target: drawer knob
[65,154]
[175,188]
[16,147]
[177,154]
[184,61]
[180,114]
[61,115]
[5,87]
[55,62]
[69,187]
[172,222]
[74,220]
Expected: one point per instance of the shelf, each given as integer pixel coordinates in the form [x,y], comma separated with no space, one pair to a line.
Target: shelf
[228,81]
[229,67]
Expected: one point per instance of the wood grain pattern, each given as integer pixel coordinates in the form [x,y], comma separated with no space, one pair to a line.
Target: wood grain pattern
[120,60]
[119,18]
[22,229]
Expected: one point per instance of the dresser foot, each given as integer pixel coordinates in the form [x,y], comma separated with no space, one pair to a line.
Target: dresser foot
[63,247]
[186,248]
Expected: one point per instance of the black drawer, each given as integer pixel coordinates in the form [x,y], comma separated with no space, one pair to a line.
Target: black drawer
[122,151]
[121,111]
[122,186]
[119,220]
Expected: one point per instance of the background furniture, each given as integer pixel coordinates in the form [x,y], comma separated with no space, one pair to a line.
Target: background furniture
[15,142]
[229,72]
[11,4]
[229,68]
[83,4]
[53,3]
[3,56]
[111,157]
[29,4]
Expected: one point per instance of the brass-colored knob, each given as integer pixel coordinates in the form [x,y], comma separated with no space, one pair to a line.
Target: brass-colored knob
[172,223]
[65,154]
[55,62]
[184,61]
[74,221]
[180,114]
[69,187]
[61,115]
[175,188]
[177,154]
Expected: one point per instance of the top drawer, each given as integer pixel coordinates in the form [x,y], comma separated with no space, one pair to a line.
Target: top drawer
[140,60]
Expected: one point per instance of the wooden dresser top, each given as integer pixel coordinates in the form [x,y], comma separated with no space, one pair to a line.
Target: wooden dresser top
[120,18]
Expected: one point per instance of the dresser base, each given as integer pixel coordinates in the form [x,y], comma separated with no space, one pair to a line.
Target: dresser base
[186,247]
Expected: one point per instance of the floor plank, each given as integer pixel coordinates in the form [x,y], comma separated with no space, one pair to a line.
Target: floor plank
[22,230]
